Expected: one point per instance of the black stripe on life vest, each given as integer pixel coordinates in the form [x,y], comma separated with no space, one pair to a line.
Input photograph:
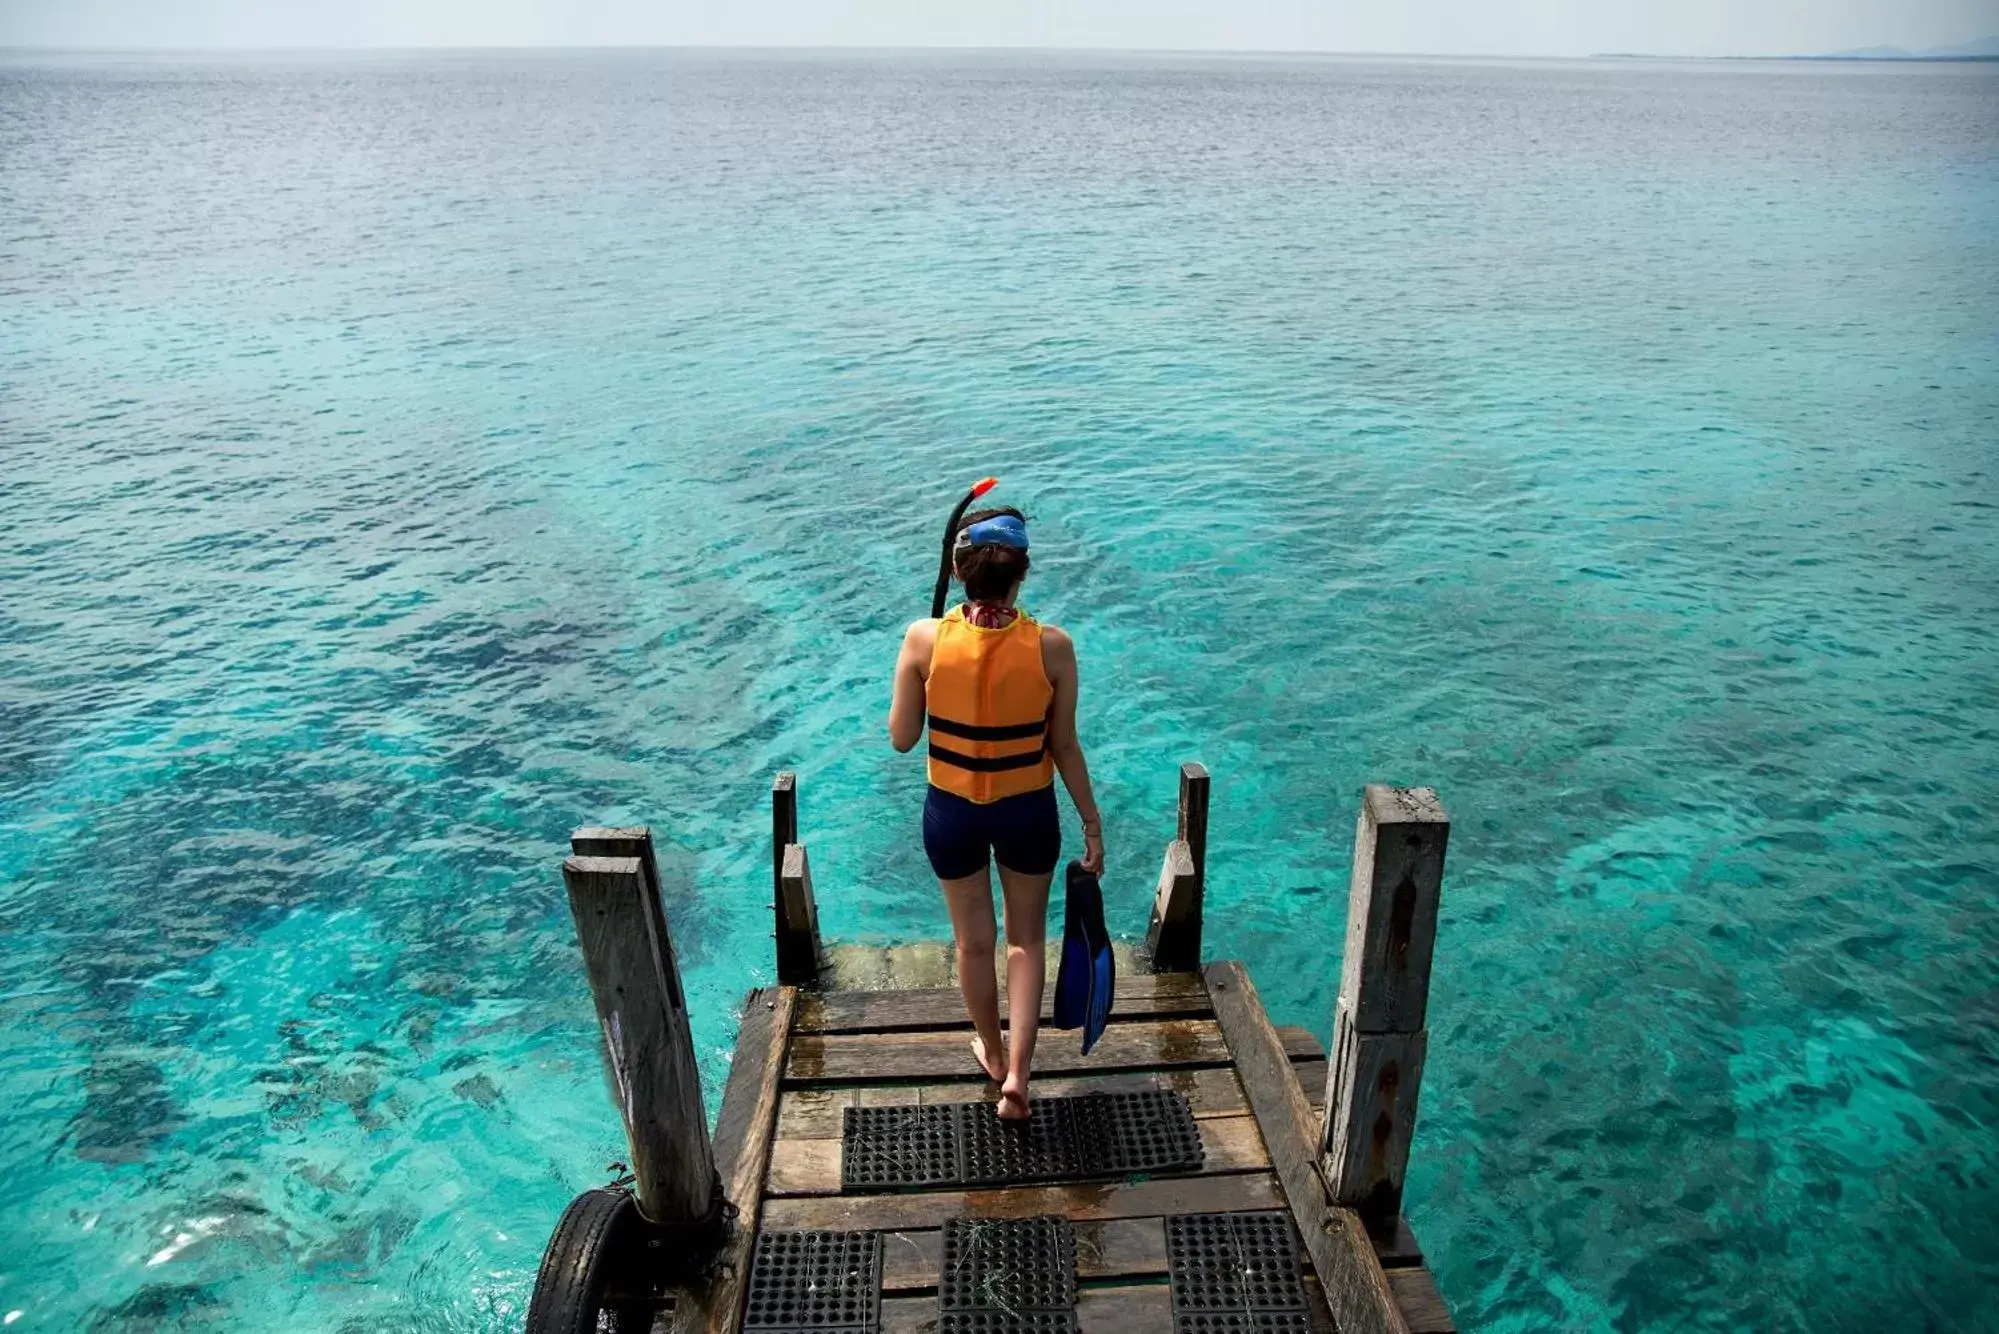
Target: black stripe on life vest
[970,732]
[986,764]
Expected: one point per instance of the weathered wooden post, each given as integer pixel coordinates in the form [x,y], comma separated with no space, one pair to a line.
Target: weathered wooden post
[797,921]
[1379,1037]
[783,824]
[1173,940]
[792,903]
[1194,815]
[613,882]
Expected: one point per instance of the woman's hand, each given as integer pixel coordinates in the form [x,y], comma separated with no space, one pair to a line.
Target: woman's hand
[1093,849]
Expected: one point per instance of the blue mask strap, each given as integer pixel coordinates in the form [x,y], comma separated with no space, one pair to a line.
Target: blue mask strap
[1000,531]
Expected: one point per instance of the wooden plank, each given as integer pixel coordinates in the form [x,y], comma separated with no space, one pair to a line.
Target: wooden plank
[812,1166]
[1135,1308]
[1114,1249]
[845,966]
[643,1018]
[932,963]
[742,1153]
[1356,1288]
[1120,1310]
[1144,995]
[1138,1045]
[816,1113]
[1107,1248]
[797,920]
[1112,1310]
[1141,1044]
[1124,1199]
[1422,1304]
[744,1128]
[1312,1075]
[1378,1034]
[1173,937]
[1394,1242]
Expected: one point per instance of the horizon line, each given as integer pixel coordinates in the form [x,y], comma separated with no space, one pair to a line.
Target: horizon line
[847,47]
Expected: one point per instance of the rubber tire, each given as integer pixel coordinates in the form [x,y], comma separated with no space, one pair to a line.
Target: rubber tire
[576,1267]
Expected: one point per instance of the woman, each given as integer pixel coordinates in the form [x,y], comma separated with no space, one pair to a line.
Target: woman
[999,692]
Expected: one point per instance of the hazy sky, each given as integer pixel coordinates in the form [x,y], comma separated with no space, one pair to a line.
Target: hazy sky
[1503,27]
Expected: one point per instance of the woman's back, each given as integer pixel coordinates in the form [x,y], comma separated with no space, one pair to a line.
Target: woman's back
[987,696]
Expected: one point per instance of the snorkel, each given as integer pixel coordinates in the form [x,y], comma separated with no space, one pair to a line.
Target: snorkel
[943,591]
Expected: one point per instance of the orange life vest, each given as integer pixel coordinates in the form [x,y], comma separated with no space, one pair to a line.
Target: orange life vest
[988,699]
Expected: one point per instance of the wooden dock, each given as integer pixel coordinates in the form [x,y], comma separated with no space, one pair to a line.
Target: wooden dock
[883,1027]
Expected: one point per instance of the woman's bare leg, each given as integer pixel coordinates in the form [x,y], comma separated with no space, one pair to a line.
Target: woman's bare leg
[1026,968]
[970,901]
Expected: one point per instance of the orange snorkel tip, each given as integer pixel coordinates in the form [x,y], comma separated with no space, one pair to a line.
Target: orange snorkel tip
[983,485]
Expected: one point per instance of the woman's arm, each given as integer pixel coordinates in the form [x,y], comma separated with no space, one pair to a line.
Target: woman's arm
[1058,657]
[912,667]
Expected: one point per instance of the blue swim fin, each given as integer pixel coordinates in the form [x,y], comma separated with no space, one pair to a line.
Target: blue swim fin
[1103,989]
[1072,977]
[1085,936]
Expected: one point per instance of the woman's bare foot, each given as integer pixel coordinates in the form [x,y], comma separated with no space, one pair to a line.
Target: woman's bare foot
[1013,1100]
[995,1069]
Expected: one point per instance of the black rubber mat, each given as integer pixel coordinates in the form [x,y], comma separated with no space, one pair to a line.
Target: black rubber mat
[1150,1131]
[996,1151]
[1008,1265]
[1243,1322]
[900,1146]
[1007,1322]
[1236,1274]
[1008,1276]
[1234,1262]
[1092,1136]
[823,1282]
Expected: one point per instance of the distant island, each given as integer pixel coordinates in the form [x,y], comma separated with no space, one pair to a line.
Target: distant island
[1985,48]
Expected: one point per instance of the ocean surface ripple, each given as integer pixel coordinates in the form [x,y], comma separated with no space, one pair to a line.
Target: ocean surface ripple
[405,459]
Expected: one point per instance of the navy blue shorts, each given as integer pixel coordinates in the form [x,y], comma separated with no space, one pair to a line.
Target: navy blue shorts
[1021,833]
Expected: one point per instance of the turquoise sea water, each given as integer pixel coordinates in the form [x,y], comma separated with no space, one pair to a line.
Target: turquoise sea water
[404,459]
